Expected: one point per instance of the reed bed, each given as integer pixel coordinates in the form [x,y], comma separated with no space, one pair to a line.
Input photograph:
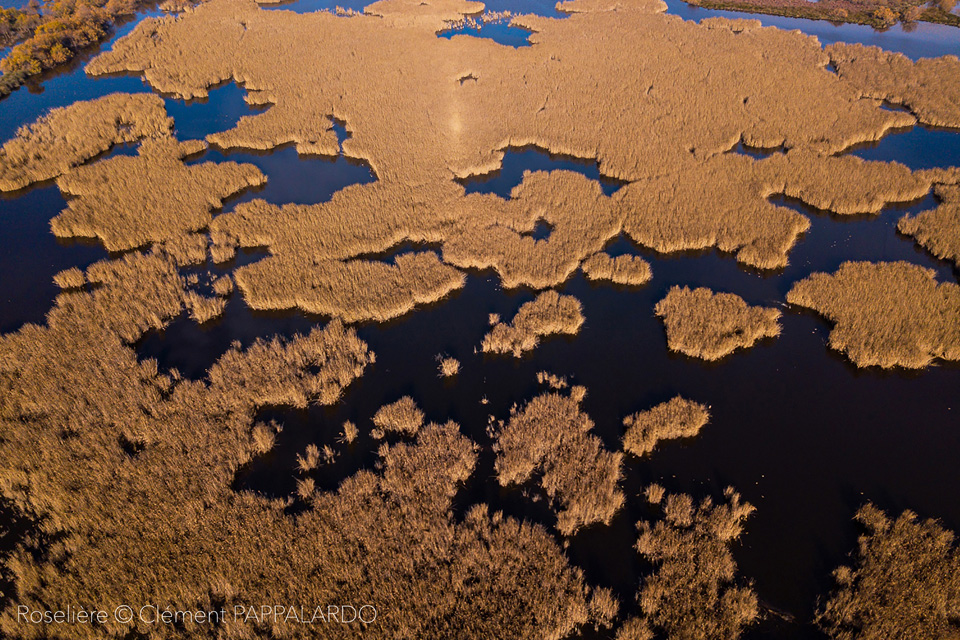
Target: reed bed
[129,202]
[549,439]
[693,591]
[414,137]
[625,269]
[352,290]
[707,325]
[86,423]
[448,366]
[402,416]
[676,418]
[937,230]
[69,136]
[549,313]
[929,87]
[886,314]
[904,581]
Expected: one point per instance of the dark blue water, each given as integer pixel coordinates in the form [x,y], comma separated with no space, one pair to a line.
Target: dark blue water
[500,32]
[918,147]
[518,160]
[803,434]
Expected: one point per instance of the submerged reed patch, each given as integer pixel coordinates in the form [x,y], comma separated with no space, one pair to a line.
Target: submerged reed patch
[693,591]
[676,418]
[69,136]
[937,230]
[904,582]
[887,314]
[550,439]
[547,314]
[708,325]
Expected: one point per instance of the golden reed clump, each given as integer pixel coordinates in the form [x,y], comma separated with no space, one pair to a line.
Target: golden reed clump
[625,269]
[402,416]
[352,290]
[69,136]
[550,439]
[693,592]
[904,583]
[547,314]
[887,314]
[676,418]
[128,202]
[937,230]
[448,366]
[708,325]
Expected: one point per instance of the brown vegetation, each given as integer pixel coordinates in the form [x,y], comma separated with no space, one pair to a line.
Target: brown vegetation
[905,583]
[929,87]
[550,439]
[433,128]
[886,314]
[677,418]
[154,458]
[71,278]
[402,416]
[351,290]
[547,314]
[879,14]
[69,136]
[625,269]
[448,366]
[708,325]
[693,594]
[937,230]
[128,202]
[53,36]
[552,380]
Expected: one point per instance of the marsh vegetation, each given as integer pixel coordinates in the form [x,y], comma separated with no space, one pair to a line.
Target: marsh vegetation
[132,471]
[549,313]
[892,314]
[708,325]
